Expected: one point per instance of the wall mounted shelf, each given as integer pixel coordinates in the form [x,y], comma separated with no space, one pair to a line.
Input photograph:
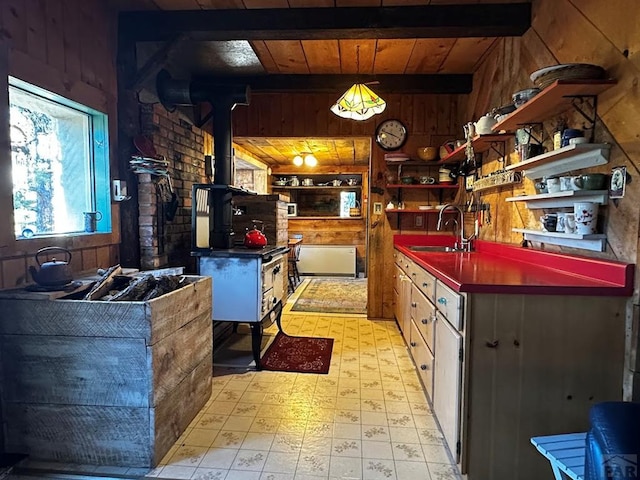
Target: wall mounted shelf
[553,100]
[481,143]
[415,210]
[317,187]
[565,159]
[595,242]
[562,199]
[418,186]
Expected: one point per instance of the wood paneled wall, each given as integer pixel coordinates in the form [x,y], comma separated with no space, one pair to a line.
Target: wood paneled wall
[67,47]
[430,119]
[564,31]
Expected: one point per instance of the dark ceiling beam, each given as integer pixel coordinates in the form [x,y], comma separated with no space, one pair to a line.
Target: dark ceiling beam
[337,84]
[428,21]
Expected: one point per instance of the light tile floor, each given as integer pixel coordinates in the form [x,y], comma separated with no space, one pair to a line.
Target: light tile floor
[367,419]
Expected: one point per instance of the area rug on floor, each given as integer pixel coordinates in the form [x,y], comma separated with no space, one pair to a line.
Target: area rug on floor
[298,354]
[333,295]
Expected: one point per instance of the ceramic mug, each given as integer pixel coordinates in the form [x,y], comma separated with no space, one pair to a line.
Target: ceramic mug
[553,184]
[586,217]
[569,183]
[566,223]
[549,222]
[592,181]
[568,134]
[427,180]
[541,186]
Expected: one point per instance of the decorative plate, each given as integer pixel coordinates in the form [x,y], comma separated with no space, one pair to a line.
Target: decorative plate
[570,71]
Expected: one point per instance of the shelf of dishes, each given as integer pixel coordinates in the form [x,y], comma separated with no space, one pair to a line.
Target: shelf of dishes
[317,187]
[427,209]
[318,180]
[481,143]
[565,159]
[434,186]
[554,100]
[560,199]
[593,241]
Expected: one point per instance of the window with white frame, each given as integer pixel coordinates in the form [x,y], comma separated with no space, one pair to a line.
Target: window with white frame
[60,163]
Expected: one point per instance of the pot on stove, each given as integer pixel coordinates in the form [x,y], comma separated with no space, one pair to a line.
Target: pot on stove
[255,238]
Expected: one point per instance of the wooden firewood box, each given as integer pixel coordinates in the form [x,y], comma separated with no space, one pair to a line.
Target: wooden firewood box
[104,383]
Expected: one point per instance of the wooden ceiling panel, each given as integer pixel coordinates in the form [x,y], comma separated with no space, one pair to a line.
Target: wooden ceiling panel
[288,56]
[357,56]
[264,55]
[392,56]
[323,56]
[358,3]
[428,54]
[220,4]
[328,151]
[266,4]
[310,3]
[177,4]
[465,54]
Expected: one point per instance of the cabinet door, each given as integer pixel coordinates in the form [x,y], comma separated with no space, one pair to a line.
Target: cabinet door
[447,381]
[397,288]
[423,359]
[406,308]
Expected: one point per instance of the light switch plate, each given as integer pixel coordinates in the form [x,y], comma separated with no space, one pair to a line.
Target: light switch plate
[418,220]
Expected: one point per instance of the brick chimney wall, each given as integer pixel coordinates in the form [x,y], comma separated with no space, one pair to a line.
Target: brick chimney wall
[168,242]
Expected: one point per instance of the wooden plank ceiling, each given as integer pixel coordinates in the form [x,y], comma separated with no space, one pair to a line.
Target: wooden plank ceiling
[328,151]
[329,56]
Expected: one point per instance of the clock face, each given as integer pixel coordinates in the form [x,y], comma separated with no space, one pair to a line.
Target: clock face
[391,135]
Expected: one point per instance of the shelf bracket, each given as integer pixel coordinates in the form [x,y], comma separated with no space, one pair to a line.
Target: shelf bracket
[500,152]
[577,101]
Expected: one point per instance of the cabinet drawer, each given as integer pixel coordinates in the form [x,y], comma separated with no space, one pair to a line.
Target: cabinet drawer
[424,281]
[402,261]
[423,359]
[423,313]
[450,303]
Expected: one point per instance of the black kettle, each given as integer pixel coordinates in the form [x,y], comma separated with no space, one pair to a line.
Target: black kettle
[54,273]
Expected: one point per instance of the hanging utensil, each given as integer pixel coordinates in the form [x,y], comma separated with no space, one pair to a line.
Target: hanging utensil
[170,206]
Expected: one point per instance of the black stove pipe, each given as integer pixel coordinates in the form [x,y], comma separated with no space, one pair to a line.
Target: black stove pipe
[223,100]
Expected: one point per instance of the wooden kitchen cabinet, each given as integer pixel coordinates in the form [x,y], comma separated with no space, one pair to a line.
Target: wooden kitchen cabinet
[447,381]
[506,367]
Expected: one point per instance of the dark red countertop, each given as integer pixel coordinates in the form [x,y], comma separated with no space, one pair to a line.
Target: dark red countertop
[501,268]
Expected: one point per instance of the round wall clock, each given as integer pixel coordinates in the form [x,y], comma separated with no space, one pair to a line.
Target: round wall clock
[391,134]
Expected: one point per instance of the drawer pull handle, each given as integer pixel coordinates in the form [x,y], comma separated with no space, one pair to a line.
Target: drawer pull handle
[424,367]
[425,321]
[414,304]
[413,274]
[442,301]
[414,344]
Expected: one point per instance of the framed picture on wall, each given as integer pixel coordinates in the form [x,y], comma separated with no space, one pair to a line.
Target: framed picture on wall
[618,182]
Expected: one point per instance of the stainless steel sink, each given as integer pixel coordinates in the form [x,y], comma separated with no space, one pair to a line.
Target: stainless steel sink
[432,248]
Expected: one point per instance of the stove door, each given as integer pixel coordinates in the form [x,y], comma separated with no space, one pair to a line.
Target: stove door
[272,283]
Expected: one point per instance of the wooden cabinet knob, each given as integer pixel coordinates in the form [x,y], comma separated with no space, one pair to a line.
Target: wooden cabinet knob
[425,321]
[414,304]
[424,367]
[414,344]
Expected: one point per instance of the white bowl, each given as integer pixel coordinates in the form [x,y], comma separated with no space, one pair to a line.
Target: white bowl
[577,140]
[425,207]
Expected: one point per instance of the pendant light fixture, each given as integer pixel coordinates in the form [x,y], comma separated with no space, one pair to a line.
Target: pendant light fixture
[306,158]
[359,102]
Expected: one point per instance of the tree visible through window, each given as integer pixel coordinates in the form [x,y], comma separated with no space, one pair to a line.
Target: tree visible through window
[54,160]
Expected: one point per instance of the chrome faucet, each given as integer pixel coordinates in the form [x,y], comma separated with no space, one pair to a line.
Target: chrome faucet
[463,243]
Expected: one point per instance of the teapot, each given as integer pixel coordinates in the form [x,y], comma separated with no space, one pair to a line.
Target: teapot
[484,124]
[55,273]
[255,238]
[294,182]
